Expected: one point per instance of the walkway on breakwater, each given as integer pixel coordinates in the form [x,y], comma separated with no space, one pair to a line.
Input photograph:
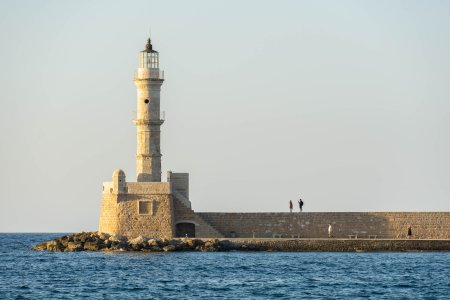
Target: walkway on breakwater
[340,245]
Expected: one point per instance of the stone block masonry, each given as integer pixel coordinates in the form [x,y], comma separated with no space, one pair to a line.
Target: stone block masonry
[425,225]
[137,208]
[163,210]
[184,214]
[120,215]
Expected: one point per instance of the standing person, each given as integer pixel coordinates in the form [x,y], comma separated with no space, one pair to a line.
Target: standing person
[330,230]
[300,204]
[291,206]
[409,231]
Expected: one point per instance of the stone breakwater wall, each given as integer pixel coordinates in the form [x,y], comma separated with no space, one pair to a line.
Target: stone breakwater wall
[390,225]
[95,241]
[343,245]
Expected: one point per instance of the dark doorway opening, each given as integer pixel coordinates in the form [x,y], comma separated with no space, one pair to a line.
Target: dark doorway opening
[183,229]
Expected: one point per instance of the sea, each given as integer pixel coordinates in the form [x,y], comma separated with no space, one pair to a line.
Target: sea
[27,274]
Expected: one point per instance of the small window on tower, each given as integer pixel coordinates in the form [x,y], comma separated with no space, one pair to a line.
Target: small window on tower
[146,101]
[145,207]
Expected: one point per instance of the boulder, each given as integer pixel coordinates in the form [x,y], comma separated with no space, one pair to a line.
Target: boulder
[40,247]
[211,243]
[195,243]
[153,243]
[190,244]
[115,245]
[54,246]
[74,247]
[169,248]
[64,242]
[102,245]
[92,238]
[138,243]
[136,247]
[118,238]
[139,240]
[178,244]
[103,236]
[91,246]
[107,243]
[156,249]
[183,247]
[163,242]
[209,246]
[226,245]
[81,237]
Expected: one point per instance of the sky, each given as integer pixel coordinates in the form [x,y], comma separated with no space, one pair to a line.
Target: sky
[345,104]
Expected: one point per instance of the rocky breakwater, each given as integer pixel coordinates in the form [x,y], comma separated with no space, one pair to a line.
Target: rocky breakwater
[97,241]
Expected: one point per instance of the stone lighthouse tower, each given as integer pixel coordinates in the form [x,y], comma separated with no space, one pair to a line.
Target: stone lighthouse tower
[149,207]
[148,80]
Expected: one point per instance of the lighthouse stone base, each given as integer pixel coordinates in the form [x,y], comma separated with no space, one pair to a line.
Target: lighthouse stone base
[142,208]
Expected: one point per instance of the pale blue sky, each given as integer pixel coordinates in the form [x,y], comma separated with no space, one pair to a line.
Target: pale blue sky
[346,103]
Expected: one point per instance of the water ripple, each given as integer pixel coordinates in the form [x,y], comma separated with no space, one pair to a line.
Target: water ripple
[25,274]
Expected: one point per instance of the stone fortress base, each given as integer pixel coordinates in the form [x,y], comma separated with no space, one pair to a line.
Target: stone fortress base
[163,210]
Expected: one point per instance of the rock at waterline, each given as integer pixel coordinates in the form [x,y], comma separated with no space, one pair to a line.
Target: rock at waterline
[95,241]
[98,241]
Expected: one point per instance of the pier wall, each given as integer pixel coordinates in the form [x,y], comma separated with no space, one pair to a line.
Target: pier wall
[391,225]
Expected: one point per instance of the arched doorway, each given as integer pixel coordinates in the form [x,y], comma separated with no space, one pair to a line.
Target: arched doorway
[185,228]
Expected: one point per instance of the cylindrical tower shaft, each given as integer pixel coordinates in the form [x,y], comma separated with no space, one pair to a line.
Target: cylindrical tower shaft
[148,81]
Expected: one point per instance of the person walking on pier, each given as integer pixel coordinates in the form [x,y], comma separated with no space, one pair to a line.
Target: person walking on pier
[300,204]
[330,230]
[291,206]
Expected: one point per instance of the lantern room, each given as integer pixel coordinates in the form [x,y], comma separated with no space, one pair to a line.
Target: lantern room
[149,58]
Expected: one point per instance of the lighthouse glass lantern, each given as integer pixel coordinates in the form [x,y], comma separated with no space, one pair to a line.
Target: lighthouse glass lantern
[149,58]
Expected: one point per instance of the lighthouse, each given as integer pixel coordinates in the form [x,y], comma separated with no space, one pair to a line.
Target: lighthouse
[150,207]
[148,80]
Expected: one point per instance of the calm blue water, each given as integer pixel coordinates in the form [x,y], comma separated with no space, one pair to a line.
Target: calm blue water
[25,274]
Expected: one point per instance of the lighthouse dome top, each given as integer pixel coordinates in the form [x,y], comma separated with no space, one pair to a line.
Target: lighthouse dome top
[149,47]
